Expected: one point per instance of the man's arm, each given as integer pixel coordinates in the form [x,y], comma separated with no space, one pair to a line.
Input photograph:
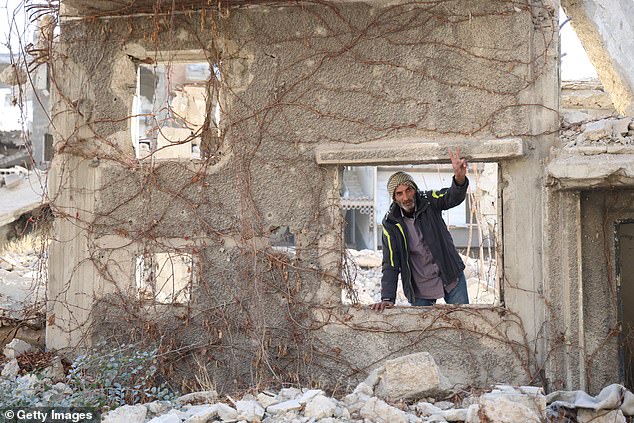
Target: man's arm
[450,197]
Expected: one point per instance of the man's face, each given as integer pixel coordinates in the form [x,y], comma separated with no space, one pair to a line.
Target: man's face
[404,197]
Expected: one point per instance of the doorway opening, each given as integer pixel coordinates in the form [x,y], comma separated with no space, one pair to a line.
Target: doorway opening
[625,285]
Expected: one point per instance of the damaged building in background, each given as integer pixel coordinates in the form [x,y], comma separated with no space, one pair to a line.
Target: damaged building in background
[193,142]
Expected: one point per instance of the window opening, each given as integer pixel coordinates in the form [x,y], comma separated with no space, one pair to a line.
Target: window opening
[472,224]
[171,106]
[165,278]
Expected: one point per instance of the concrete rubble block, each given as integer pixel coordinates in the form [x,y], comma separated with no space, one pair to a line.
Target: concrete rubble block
[358,398]
[16,348]
[378,411]
[454,414]
[309,395]
[509,405]
[55,371]
[205,413]
[320,407]
[435,418]
[266,400]
[427,409]
[599,129]
[202,397]
[289,393]
[284,407]
[620,127]
[166,418]
[585,99]
[157,408]
[5,264]
[600,416]
[249,410]
[342,412]
[10,370]
[397,380]
[444,405]
[473,414]
[126,414]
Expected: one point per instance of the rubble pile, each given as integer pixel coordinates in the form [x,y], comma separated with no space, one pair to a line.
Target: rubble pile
[590,122]
[609,135]
[408,389]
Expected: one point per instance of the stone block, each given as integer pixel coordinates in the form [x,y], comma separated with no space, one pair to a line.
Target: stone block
[266,400]
[205,413]
[620,127]
[599,129]
[320,407]
[16,348]
[166,418]
[408,377]
[202,397]
[377,410]
[126,414]
[506,406]
[284,407]
[10,370]
[250,411]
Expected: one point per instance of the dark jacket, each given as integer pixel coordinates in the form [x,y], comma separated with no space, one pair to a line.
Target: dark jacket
[428,217]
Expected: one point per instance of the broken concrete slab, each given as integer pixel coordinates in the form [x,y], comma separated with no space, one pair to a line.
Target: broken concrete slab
[513,404]
[396,381]
[576,170]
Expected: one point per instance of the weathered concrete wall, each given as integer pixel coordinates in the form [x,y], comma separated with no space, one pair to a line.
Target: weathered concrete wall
[600,211]
[292,79]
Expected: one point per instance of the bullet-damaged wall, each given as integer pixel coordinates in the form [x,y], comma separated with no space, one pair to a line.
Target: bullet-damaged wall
[291,79]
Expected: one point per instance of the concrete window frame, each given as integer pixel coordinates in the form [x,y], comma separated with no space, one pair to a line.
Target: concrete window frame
[421,151]
[174,142]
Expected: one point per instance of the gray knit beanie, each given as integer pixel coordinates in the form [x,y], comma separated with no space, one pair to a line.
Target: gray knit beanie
[399,178]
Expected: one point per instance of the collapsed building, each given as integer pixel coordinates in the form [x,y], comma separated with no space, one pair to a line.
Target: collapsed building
[189,136]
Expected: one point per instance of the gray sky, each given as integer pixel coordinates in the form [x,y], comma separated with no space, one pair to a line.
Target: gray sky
[13,29]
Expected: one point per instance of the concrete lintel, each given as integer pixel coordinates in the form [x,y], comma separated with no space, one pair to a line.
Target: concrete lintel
[582,172]
[416,151]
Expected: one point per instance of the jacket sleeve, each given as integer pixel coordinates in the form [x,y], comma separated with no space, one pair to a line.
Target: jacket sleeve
[447,198]
[391,267]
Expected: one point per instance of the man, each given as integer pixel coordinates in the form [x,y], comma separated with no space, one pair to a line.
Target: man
[417,244]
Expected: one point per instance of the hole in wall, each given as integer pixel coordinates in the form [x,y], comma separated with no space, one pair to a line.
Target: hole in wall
[176,109]
[165,277]
[282,239]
